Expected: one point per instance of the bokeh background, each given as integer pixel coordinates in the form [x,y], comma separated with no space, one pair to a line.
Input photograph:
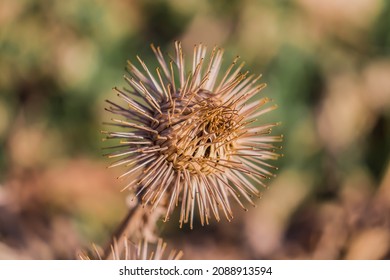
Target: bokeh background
[327,66]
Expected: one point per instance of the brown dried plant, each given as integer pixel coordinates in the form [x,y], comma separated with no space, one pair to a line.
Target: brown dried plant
[192,140]
[130,251]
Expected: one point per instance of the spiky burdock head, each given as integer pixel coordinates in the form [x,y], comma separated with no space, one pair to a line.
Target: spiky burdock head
[192,140]
[130,251]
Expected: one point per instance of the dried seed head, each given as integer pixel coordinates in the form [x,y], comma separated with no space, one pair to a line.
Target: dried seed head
[193,139]
[130,251]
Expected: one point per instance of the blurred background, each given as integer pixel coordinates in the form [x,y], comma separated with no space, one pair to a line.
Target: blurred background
[327,66]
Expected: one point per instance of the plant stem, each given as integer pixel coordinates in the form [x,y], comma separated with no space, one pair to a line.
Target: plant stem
[120,233]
